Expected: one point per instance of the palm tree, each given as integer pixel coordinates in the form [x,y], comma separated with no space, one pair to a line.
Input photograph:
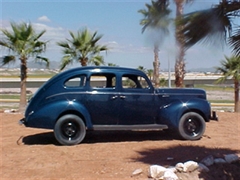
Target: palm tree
[150,74]
[218,25]
[230,68]
[22,42]
[180,62]
[82,47]
[112,65]
[141,68]
[156,17]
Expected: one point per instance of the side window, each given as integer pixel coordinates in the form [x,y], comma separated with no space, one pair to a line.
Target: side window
[143,82]
[103,80]
[130,81]
[76,81]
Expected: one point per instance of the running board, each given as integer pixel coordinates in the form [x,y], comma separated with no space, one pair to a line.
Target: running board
[129,127]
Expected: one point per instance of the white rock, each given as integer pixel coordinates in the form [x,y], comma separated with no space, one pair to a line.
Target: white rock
[219,161]
[179,167]
[208,161]
[137,172]
[190,166]
[170,175]
[7,111]
[10,111]
[231,158]
[172,168]
[156,171]
[202,168]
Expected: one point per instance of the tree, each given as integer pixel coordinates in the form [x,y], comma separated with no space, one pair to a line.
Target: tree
[22,42]
[180,62]
[163,82]
[141,68]
[230,68]
[156,17]
[218,25]
[112,65]
[150,74]
[82,47]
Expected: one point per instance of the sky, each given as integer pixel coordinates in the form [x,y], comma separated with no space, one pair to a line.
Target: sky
[119,23]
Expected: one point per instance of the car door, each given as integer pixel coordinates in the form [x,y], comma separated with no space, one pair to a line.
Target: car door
[137,101]
[101,99]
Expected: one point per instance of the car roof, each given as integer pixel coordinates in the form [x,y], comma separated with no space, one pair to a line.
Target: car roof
[103,69]
[99,69]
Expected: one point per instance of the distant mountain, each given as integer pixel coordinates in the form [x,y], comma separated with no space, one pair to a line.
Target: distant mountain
[200,70]
[42,65]
[35,65]
[56,64]
[210,69]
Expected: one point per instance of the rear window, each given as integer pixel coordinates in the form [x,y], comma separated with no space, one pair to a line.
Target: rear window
[76,82]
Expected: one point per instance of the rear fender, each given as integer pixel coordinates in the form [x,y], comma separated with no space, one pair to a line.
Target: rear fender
[47,115]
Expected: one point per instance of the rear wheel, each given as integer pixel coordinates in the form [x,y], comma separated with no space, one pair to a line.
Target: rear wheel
[191,126]
[69,130]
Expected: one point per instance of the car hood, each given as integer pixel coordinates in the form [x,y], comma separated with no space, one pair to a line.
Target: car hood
[200,93]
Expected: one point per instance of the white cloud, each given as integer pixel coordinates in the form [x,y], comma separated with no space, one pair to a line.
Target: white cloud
[52,35]
[51,32]
[44,19]
[126,48]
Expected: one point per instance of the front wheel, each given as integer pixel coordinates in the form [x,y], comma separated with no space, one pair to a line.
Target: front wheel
[191,126]
[69,130]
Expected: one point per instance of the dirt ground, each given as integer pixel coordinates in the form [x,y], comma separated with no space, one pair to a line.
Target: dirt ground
[34,153]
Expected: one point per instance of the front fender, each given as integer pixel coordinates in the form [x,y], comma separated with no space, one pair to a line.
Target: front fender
[171,113]
[46,116]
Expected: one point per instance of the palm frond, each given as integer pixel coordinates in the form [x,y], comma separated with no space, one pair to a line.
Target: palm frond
[96,60]
[72,34]
[230,68]
[39,35]
[234,42]
[143,12]
[7,59]
[6,45]
[42,59]
[63,44]
[212,25]
[66,60]
[204,26]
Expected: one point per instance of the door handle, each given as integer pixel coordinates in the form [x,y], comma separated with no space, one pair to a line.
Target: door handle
[165,95]
[114,97]
[122,97]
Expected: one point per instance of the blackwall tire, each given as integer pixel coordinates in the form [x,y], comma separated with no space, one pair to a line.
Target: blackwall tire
[191,126]
[69,130]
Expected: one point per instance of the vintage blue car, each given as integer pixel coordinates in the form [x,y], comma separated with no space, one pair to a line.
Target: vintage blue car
[113,98]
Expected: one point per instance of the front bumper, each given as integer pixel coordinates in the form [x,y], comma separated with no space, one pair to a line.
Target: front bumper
[214,116]
[22,121]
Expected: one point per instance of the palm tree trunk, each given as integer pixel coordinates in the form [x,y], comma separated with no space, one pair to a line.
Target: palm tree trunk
[23,77]
[156,65]
[179,72]
[236,96]
[180,63]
